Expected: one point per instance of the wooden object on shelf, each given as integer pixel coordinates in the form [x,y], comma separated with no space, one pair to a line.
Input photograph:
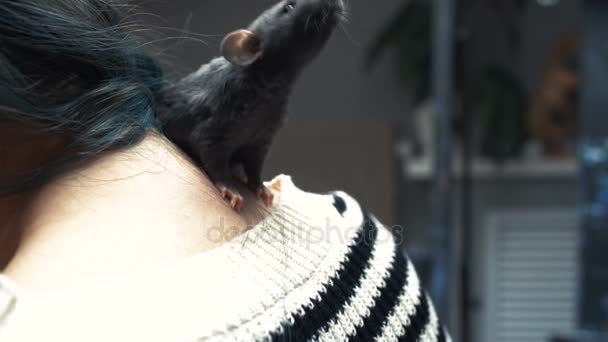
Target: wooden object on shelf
[553,113]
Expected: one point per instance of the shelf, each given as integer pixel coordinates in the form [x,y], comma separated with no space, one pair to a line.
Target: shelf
[421,169]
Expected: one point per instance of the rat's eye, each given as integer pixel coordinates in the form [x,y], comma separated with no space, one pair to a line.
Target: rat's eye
[289,7]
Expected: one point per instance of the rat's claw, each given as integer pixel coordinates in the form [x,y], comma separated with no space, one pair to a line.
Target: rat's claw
[265,195]
[262,193]
[232,197]
[237,202]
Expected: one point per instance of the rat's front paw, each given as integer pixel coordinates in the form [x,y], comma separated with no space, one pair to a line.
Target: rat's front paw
[262,193]
[265,195]
[231,196]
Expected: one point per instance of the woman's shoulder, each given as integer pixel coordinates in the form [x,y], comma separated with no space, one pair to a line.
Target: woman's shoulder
[317,267]
[320,267]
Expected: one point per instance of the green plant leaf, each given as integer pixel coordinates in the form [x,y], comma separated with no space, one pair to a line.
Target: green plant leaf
[406,20]
[498,101]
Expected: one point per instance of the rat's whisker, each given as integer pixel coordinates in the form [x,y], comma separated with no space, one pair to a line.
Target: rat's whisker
[348,35]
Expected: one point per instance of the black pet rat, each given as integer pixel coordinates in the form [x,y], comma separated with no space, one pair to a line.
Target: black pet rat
[226,114]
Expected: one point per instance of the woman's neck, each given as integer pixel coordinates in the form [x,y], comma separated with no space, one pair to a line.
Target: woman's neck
[126,211]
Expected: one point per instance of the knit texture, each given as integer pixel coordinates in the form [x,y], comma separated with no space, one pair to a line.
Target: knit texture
[320,268]
[317,268]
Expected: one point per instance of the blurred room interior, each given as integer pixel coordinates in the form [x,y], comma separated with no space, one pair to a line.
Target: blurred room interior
[362,120]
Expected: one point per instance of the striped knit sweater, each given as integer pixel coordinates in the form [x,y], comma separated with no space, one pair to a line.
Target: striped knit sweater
[317,268]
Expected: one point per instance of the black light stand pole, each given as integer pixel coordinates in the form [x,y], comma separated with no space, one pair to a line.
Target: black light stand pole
[593,147]
[466,222]
[442,87]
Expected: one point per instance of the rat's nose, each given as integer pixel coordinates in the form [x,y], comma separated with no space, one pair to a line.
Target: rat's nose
[336,5]
[341,5]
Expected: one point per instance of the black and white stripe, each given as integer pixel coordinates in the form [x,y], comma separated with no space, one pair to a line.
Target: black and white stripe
[376,295]
[340,288]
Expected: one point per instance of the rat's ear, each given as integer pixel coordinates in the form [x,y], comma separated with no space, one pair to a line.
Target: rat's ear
[241,47]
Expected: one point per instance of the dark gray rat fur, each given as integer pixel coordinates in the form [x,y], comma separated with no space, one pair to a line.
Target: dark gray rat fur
[226,114]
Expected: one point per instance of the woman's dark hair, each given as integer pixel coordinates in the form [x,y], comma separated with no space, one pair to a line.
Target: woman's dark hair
[74,68]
